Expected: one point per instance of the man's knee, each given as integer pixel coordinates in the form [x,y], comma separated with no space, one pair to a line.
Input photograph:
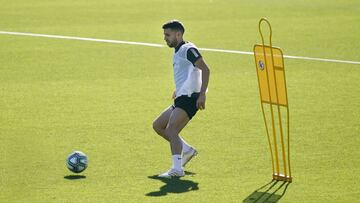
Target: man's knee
[157,128]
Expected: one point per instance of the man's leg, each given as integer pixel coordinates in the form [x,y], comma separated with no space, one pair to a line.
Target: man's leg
[160,124]
[178,120]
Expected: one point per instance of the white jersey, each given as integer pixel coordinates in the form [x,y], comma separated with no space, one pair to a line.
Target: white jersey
[187,76]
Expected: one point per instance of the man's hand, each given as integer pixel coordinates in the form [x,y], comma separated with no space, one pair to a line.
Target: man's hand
[200,103]
[174,95]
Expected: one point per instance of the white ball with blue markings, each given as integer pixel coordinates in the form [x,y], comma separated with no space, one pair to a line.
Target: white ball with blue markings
[77,162]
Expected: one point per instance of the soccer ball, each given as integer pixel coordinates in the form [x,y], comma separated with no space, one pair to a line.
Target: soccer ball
[77,162]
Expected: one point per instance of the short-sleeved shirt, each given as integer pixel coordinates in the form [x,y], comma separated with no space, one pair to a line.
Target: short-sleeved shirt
[187,77]
[192,53]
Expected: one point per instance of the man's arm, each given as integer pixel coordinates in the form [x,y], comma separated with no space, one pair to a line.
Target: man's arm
[205,74]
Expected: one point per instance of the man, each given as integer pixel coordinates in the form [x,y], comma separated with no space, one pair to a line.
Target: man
[191,76]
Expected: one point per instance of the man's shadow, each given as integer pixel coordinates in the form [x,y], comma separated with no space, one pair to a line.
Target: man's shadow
[173,185]
[270,192]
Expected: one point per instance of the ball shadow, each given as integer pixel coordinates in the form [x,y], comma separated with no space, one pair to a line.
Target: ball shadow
[74,177]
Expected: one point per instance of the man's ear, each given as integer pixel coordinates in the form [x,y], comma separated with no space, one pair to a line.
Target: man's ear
[178,34]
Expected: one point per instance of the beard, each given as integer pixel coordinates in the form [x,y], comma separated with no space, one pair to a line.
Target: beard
[172,44]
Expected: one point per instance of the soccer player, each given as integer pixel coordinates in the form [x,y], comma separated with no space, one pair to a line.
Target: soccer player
[191,76]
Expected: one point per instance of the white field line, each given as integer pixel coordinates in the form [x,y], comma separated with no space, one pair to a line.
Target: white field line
[160,45]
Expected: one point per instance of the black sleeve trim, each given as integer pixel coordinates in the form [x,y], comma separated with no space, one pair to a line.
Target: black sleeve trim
[193,55]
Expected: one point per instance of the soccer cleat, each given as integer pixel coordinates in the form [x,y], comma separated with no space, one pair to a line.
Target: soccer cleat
[172,173]
[187,156]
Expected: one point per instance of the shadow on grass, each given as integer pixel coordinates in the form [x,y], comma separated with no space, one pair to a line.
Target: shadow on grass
[174,185]
[270,192]
[74,177]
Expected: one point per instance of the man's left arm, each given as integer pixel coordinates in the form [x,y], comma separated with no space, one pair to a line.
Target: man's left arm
[205,74]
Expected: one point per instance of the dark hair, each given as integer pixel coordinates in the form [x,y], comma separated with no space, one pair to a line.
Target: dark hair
[174,25]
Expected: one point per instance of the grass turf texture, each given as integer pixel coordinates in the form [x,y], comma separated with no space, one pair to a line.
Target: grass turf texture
[60,95]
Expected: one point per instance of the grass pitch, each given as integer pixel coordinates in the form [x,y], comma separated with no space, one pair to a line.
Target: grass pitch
[60,95]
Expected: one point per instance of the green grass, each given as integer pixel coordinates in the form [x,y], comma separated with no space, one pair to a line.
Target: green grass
[60,95]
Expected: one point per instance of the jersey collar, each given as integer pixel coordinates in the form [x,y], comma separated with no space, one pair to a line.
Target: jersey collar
[178,46]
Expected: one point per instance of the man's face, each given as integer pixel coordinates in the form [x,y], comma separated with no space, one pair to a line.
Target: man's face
[171,37]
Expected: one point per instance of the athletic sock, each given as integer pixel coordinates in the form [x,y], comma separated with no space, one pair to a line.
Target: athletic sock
[176,161]
[185,146]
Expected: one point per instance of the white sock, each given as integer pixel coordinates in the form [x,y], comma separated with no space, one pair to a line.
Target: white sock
[176,161]
[185,146]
